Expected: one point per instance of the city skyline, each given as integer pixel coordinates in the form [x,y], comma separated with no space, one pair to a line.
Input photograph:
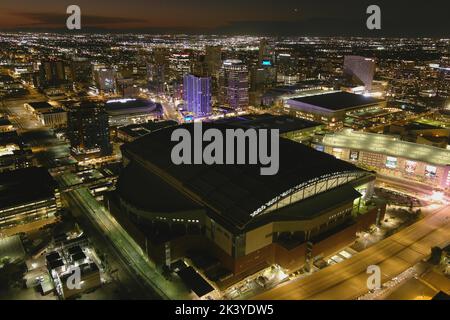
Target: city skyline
[224,151]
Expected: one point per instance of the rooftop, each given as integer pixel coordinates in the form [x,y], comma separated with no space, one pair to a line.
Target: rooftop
[138,130]
[40,105]
[336,101]
[388,145]
[25,186]
[284,123]
[232,192]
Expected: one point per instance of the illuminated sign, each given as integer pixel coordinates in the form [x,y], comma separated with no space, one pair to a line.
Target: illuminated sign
[319,148]
[430,171]
[391,162]
[267,63]
[354,155]
[410,166]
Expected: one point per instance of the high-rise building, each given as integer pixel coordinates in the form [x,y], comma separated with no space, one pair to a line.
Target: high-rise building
[213,61]
[180,64]
[234,84]
[88,130]
[359,70]
[106,80]
[81,72]
[51,73]
[265,54]
[197,94]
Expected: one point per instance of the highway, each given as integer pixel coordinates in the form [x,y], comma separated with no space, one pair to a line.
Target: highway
[126,246]
[347,280]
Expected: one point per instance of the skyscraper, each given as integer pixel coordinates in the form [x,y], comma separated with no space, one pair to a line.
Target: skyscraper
[88,130]
[234,83]
[197,94]
[359,70]
[81,72]
[51,73]
[106,80]
[213,61]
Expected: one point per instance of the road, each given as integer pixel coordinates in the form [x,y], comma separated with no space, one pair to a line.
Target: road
[127,247]
[347,280]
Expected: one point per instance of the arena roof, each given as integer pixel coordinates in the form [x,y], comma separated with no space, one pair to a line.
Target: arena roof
[336,101]
[387,145]
[235,193]
[128,105]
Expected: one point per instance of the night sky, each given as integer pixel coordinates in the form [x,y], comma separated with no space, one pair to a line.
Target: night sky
[280,17]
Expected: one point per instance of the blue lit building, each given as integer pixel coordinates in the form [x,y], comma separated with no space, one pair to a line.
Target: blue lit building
[197,94]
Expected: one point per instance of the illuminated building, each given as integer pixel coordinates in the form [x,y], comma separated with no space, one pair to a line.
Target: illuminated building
[6,125]
[197,94]
[88,130]
[29,199]
[391,157]
[47,114]
[13,155]
[359,70]
[331,108]
[81,72]
[213,60]
[180,64]
[234,83]
[52,74]
[122,112]
[106,80]
[287,72]
[245,220]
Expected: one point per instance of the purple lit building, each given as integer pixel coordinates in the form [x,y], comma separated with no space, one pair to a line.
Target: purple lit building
[197,94]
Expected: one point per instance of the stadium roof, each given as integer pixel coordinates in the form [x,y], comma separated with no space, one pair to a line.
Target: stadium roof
[284,123]
[336,101]
[233,193]
[387,145]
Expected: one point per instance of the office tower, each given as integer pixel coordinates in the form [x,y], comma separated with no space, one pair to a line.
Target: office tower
[81,72]
[287,69]
[106,80]
[88,130]
[197,94]
[359,70]
[234,84]
[51,73]
[180,64]
[213,61]
[265,55]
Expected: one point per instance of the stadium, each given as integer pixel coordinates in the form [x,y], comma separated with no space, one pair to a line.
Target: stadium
[234,215]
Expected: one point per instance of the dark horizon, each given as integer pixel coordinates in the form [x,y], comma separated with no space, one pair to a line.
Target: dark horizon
[232,17]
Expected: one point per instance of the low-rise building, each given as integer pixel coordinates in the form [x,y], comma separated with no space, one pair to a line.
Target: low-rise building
[330,108]
[29,199]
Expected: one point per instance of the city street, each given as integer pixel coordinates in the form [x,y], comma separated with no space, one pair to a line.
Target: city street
[394,255]
[127,247]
